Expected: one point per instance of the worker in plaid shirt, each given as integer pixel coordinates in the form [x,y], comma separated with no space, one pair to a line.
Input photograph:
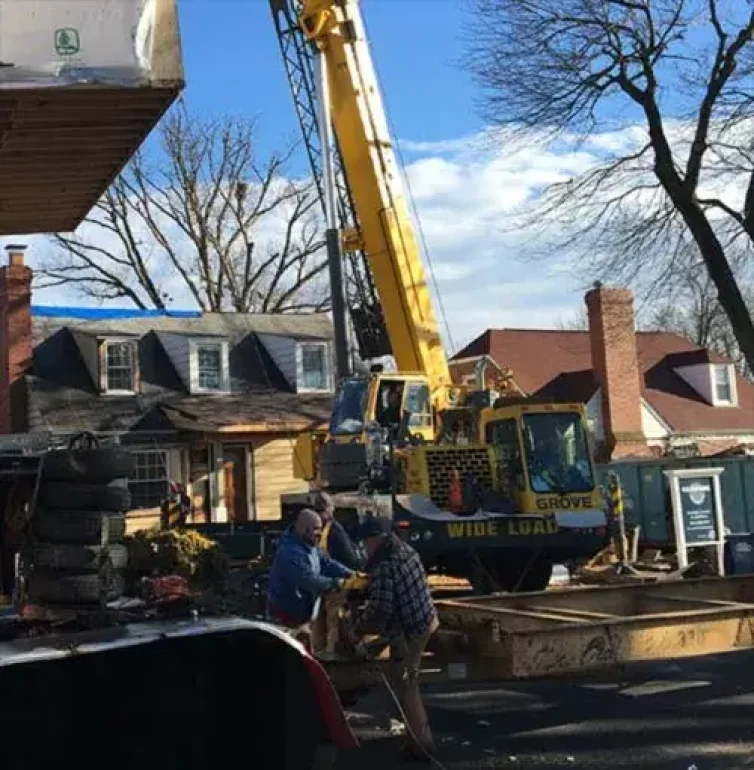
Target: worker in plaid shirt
[399,607]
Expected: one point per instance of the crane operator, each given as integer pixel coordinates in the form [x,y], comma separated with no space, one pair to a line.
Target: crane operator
[390,414]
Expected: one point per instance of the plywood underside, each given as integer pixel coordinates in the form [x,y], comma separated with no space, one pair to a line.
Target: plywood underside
[61,148]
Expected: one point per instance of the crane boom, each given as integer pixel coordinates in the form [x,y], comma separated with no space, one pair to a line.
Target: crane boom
[363,302]
[384,228]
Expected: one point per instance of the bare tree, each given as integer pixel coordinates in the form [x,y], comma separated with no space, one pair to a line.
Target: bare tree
[673,81]
[693,311]
[578,321]
[204,218]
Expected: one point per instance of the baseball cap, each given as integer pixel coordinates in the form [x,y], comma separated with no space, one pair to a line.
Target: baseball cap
[373,526]
[321,501]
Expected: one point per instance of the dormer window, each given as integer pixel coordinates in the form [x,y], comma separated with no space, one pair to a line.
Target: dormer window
[314,369]
[724,385]
[209,363]
[209,366]
[119,366]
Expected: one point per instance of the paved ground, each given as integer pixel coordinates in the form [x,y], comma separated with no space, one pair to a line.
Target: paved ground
[685,715]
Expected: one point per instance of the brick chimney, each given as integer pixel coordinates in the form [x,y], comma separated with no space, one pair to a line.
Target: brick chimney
[15,340]
[616,367]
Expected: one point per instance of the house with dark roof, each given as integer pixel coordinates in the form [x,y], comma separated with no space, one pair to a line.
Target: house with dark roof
[646,393]
[212,400]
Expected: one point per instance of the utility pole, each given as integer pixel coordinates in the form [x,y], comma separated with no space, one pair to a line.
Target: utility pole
[332,232]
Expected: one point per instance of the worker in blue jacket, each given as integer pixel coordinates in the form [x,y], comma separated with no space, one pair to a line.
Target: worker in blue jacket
[301,573]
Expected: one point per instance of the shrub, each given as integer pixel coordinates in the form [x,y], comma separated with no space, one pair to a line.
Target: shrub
[155,552]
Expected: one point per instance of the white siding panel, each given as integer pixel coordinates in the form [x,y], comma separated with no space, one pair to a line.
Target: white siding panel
[652,426]
[283,352]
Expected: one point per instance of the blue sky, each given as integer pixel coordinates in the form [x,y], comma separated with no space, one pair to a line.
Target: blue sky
[233,65]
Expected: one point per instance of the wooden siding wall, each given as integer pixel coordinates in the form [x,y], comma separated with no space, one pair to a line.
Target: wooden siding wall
[273,471]
[271,464]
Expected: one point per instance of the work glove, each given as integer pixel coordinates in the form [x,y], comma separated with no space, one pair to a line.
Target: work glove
[358,581]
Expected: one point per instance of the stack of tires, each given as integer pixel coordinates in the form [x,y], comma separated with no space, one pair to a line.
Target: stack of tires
[77,556]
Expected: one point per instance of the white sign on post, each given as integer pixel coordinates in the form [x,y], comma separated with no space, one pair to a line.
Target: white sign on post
[697,512]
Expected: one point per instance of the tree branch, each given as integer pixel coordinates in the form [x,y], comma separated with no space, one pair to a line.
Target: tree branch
[173,226]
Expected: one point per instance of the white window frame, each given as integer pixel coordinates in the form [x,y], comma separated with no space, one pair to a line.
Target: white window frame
[194,347]
[731,374]
[105,379]
[164,464]
[328,373]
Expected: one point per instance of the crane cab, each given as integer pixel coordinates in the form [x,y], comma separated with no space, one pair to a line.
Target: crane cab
[543,458]
[337,458]
[383,399]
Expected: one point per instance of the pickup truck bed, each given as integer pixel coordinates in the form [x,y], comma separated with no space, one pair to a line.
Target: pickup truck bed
[215,692]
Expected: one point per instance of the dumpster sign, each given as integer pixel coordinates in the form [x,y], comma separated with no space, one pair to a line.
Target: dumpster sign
[697,511]
[697,497]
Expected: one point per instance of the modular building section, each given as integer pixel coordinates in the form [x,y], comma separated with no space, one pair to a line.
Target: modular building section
[82,83]
[553,633]
[561,632]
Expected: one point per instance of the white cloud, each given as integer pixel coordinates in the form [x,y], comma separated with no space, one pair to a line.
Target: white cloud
[467,193]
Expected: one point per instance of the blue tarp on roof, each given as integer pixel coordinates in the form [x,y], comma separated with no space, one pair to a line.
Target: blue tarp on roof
[104,314]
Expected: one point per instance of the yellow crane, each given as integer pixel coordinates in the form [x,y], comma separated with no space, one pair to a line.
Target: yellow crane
[517,450]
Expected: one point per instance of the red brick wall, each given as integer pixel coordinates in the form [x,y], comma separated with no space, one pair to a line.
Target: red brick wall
[616,366]
[15,341]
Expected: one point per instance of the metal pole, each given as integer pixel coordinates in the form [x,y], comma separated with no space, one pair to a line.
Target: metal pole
[616,495]
[332,233]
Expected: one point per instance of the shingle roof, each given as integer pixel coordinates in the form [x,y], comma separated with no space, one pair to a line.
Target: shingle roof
[233,325]
[558,365]
[63,398]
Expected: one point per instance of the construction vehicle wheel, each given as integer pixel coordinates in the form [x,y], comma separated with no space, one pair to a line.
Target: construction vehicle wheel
[510,572]
[537,577]
[78,527]
[482,579]
[81,558]
[88,465]
[69,496]
[54,588]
